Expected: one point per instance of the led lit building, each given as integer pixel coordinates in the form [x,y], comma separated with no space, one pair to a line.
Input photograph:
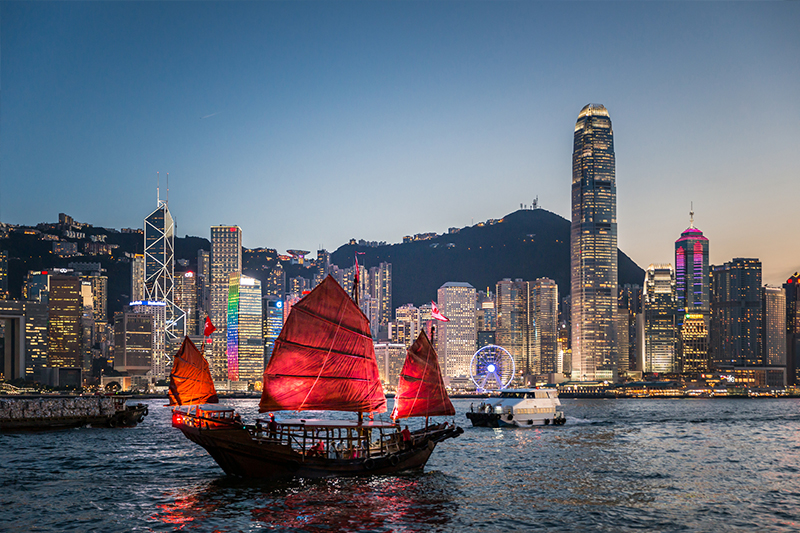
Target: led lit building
[691,270]
[137,278]
[486,319]
[406,326]
[390,358]
[736,314]
[694,343]
[545,322]
[276,283]
[159,274]
[774,329]
[245,329]
[456,301]
[25,333]
[660,320]
[133,334]
[792,291]
[65,306]
[203,283]
[593,247]
[186,292]
[629,307]
[273,323]
[226,258]
[160,362]
[513,327]
[322,266]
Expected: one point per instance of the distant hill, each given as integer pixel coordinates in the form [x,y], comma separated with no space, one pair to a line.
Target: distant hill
[526,244]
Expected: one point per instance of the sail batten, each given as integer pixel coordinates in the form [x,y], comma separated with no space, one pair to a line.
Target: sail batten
[337,352]
[421,390]
[190,380]
[324,357]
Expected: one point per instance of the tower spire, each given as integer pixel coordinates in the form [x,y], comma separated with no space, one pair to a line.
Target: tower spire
[691,214]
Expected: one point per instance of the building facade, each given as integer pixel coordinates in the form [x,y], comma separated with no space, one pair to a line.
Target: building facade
[593,247]
[456,301]
[244,329]
[774,328]
[159,269]
[226,258]
[736,319]
[660,319]
[545,320]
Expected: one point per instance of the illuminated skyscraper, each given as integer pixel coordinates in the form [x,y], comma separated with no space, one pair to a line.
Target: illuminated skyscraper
[226,258]
[245,329]
[137,278]
[774,330]
[736,313]
[159,362]
[456,301]
[691,270]
[273,323]
[593,247]
[545,326]
[159,273]
[513,320]
[792,291]
[186,292]
[65,309]
[660,312]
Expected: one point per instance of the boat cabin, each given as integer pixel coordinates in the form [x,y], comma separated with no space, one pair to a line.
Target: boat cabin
[204,415]
[333,439]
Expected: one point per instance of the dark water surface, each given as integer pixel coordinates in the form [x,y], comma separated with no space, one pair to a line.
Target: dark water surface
[617,465]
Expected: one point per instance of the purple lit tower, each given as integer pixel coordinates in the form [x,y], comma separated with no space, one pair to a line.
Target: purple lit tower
[691,269]
[692,286]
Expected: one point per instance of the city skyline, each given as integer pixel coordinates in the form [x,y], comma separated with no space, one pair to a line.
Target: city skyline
[377,102]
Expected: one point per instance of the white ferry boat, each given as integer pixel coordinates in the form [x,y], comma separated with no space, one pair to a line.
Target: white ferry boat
[519,408]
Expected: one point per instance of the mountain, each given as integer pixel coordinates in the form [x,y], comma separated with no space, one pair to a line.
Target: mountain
[527,244]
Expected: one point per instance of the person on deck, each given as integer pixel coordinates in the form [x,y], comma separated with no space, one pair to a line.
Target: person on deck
[272,425]
[406,434]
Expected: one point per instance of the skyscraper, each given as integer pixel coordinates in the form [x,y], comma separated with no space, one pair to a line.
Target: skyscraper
[64,308]
[545,326]
[3,275]
[186,292]
[245,329]
[691,270]
[137,278]
[660,311]
[693,282]
[774,330]
[457,337]
[512,320]
[159,269]
[736,313]
[593,247]
[792,291]
[226,258]
[272,325]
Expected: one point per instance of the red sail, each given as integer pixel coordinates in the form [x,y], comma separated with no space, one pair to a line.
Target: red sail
[421,391]
[324,358]
[190,381]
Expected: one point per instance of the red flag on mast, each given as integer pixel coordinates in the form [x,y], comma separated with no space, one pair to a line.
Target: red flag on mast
[208,328]
[436,314]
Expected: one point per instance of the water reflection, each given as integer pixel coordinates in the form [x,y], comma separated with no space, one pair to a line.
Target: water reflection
[408,503]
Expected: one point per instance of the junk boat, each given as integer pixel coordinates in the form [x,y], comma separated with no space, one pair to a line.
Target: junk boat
[60,412]
[323,360]
[519,408]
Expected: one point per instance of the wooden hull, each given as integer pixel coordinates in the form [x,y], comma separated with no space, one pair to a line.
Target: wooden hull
[241,454]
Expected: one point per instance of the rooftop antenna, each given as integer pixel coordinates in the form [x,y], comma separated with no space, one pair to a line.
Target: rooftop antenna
[167,202]
[158,190]
[691,214]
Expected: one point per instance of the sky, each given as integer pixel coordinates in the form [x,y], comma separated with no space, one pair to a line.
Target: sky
[310,123]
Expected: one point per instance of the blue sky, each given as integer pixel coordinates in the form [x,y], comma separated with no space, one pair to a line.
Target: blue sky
[310,123]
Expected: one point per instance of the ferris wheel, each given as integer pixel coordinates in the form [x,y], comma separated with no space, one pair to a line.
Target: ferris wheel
[492,368]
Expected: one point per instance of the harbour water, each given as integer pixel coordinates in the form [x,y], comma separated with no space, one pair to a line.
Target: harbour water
[617,465]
